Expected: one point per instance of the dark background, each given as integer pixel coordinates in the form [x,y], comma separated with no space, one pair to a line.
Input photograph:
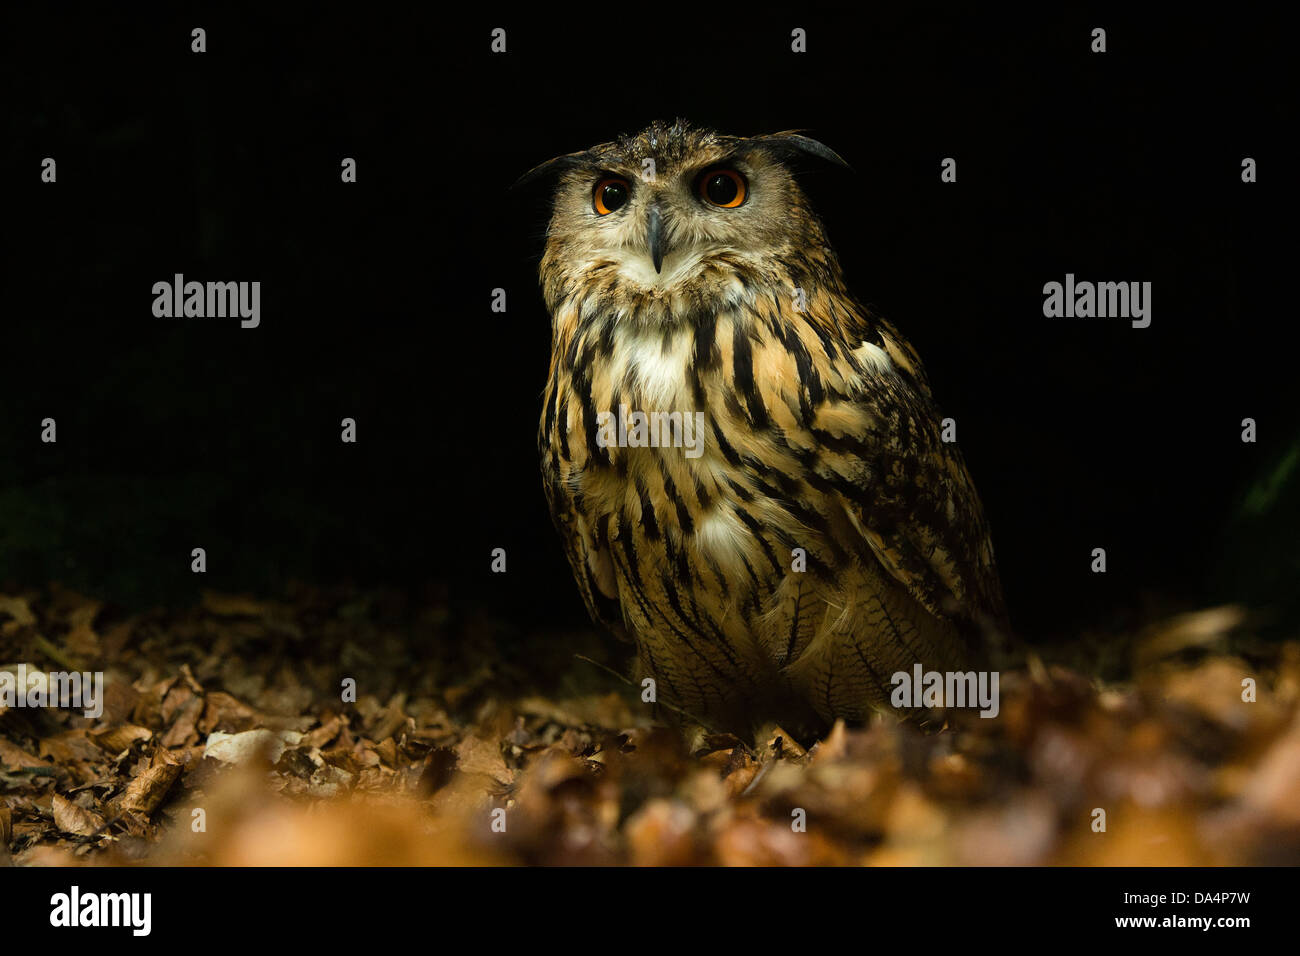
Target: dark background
[174,433]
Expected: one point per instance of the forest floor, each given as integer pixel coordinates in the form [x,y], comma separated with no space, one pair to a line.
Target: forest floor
[225,738]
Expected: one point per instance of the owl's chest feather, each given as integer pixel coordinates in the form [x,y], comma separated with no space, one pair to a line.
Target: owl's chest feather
[672,430]
[658,427]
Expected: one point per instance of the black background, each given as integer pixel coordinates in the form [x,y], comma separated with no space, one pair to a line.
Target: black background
[177,433]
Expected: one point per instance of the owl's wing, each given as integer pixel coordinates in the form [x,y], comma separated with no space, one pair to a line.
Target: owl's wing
[910,495]
[586,544]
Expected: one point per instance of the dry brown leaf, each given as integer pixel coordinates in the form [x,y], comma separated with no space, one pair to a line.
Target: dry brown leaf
[323,735]
[116,739]
[71,818]
[13,757]
[69,747]
[227,714]
[478,755]
[146,792]
[182,732]
[250,746]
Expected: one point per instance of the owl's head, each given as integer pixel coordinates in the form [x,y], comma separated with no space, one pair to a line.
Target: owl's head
[676,210]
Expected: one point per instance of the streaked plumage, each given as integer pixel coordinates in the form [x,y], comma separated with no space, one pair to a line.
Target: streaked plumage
[820,434]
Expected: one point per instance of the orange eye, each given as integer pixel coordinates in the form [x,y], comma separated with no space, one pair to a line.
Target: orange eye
[611,194]
[723,187]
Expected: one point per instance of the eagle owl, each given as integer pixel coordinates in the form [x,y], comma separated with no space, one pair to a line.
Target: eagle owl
[795,530]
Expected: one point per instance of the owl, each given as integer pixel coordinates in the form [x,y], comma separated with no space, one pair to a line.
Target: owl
[746,466]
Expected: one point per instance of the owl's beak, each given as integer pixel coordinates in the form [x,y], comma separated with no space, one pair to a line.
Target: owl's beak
[654,234]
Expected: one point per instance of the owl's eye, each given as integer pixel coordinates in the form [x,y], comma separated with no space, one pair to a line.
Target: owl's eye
[610,195]
[723,187]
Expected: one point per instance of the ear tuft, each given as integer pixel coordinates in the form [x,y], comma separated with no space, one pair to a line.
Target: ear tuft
[792,141]
[551,168]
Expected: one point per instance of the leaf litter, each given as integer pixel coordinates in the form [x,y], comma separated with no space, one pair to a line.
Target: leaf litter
[227,738]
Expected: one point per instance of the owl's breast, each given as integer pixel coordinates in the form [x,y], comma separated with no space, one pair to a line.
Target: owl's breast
[664,456]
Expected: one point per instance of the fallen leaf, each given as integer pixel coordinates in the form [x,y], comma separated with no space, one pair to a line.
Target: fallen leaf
[250,745]
[71,818]
[147,790]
